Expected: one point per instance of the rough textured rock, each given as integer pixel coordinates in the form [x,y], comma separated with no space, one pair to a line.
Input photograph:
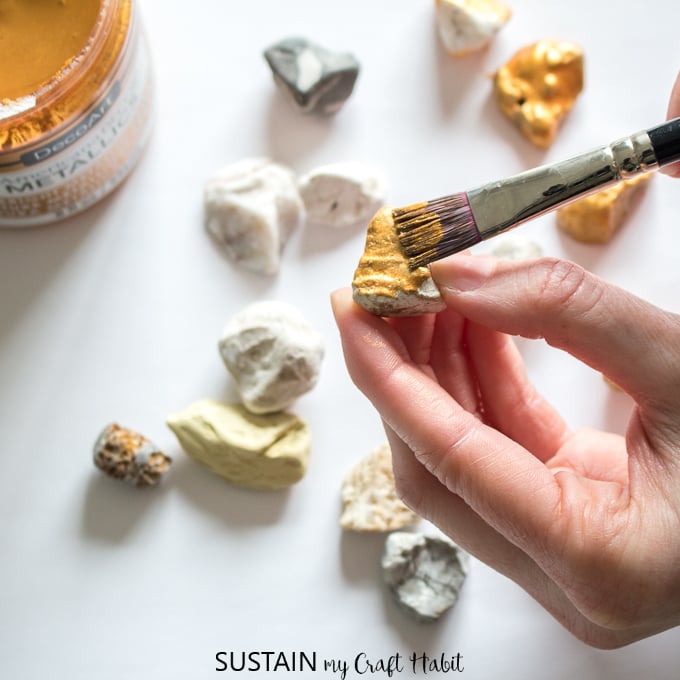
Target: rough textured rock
[383,284]
[273,354]
[254,451]
[515,246]
[369,499]
[596,218]
[465,26]
[424,573]
[315,79]
[129,456]
[251,208]
[342,194]
[538,86]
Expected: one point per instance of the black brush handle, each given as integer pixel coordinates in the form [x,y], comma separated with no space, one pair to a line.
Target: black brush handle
[665,139]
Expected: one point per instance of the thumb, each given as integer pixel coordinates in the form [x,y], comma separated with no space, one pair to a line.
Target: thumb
[632,342]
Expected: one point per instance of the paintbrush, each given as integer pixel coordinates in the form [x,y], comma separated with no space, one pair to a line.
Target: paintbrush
[434,229]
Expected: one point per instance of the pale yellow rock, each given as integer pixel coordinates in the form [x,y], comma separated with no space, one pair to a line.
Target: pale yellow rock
[369,498]
[596,218]
[266,451]
[538,86]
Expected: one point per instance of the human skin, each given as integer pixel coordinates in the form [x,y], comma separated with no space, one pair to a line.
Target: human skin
[587,522]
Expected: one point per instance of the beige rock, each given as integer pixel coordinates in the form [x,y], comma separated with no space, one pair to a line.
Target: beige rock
[596,218]
[383,284]
[538,86]
[369,499]
[255,451]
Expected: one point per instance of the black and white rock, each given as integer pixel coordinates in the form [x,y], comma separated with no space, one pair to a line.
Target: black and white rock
[515,246]
[273,354]
[251,208]
[342,194]
[424,573]
[315,79]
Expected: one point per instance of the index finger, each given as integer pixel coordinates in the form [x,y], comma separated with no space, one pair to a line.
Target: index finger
[501,481]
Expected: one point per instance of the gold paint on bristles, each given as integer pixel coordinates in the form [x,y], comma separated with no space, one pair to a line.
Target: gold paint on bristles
[432,230]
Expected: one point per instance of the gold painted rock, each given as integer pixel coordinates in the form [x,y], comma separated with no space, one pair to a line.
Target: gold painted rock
[383,284]
[369,498]
[596,218]
[265,451]
[538,86]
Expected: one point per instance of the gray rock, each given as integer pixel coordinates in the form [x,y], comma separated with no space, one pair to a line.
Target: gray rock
[273,354]
[315,79]
[424,573]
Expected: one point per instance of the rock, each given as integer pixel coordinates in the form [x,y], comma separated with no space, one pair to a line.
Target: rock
[383,284]
[342,194]
[129,456]
[515,247]
[466,26]
[253,451]
[424,573]
[596,218]
[369,499]
[313,78]
[538,86]
[273,354]
[251,208]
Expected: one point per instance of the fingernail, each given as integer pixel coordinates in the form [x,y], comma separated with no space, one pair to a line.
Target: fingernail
[463,273]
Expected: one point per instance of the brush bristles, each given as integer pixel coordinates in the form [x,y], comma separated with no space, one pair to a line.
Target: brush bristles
[430,231]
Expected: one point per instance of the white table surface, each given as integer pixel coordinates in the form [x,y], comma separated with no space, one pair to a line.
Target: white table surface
[114,316]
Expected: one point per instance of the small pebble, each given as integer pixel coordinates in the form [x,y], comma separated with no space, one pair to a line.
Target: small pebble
[383,284]
[251,208]
[342,194]
[424,573]
[127,455]
[273,354]
[315,79]
[369,498]
[466,26]
[516,247]
[263,452]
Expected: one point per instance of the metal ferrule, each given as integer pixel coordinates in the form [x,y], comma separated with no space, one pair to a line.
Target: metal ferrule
[498,206]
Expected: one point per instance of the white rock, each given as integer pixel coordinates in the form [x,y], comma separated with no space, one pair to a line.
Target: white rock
[516,247]
[251,208]
[369,497]
[342,194]
[424,573]
[468,25]
[273,354]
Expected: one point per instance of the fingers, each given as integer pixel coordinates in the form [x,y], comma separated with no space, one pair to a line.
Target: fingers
[511,403]
[634,343]
[488,471]
[674,112]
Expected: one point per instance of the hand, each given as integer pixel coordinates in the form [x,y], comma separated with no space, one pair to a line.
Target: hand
[587,522]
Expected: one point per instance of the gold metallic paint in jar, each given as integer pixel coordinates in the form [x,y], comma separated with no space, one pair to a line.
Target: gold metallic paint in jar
[75,103]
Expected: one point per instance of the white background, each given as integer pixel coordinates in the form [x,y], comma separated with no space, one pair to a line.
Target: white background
[115,315]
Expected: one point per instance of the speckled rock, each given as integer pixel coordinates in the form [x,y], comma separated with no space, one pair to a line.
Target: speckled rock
[254,451]
[342,194]
[515,246]
[251,208]
[466,26]
[424,573]
[315,79]
[273,353]
[383,284]
[124,454]
[369,499]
